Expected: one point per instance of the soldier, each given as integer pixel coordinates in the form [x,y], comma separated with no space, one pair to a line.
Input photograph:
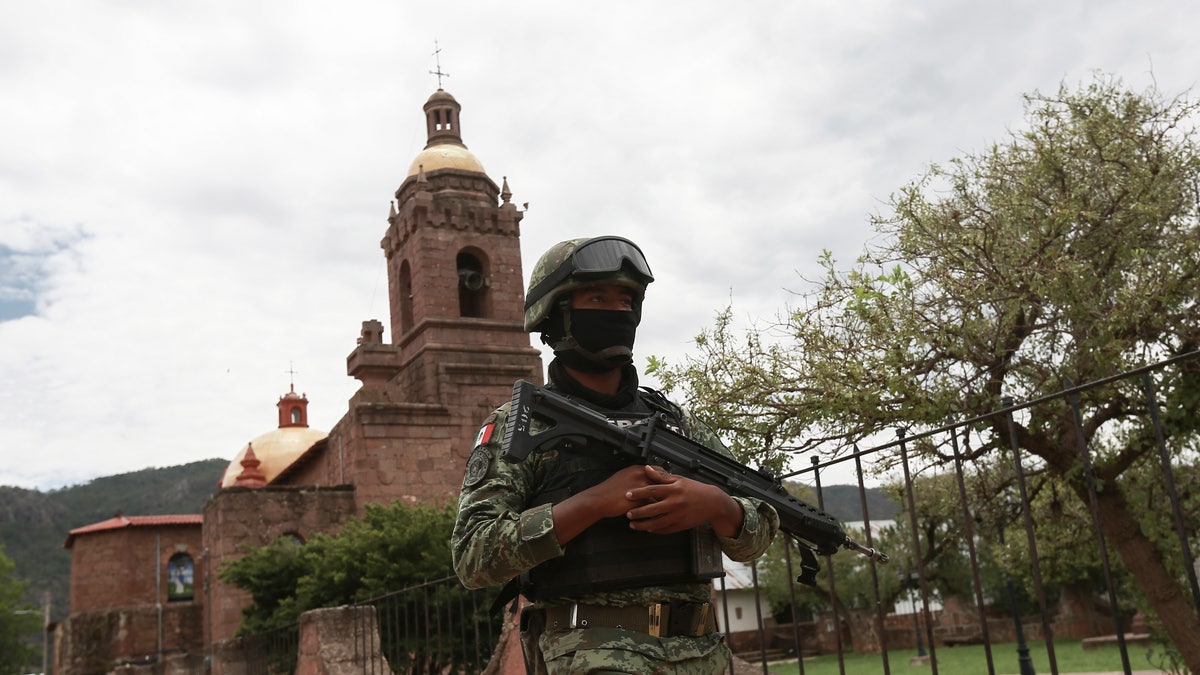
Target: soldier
[617,556]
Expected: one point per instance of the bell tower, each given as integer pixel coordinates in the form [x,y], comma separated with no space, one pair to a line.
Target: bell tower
[452,242]
[456,341]
[454,263]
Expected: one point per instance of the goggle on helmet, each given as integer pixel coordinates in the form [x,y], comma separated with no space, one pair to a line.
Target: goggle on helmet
[576,263]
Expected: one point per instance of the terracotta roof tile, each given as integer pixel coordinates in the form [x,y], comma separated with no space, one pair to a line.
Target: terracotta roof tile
[119,522]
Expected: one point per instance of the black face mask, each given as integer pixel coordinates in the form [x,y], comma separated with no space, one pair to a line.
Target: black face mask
[603,339]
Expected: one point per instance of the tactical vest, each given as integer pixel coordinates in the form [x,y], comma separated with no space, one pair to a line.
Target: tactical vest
[609,555]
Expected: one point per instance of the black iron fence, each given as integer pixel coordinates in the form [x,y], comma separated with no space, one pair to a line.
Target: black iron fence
[433,627]
[988,529]
[982,549]
[274,652]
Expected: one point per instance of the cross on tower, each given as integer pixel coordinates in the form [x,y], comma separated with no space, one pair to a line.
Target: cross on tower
[437,51]
[291,371]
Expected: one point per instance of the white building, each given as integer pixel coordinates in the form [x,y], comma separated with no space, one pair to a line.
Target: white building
[735,599]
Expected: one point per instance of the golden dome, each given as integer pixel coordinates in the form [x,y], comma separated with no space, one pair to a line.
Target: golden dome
[276,450]
[445,156]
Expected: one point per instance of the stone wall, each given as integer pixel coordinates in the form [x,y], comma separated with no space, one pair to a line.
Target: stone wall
[237,519]
[340,641]
[332,641]
[1077,615]
[101,641]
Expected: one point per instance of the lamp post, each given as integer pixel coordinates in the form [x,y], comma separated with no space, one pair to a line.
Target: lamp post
[914,583]
[1023,658]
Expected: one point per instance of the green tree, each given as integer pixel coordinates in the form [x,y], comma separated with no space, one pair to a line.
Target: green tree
[19,622]
[387,549]
[1067,251]
[270,574]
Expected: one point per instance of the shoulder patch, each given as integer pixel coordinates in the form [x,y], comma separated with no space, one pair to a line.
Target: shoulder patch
[477,466]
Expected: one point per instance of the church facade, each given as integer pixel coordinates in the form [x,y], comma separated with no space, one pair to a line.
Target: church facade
[451,351]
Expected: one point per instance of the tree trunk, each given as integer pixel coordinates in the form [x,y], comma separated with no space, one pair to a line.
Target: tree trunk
[1144,560]
[863,633]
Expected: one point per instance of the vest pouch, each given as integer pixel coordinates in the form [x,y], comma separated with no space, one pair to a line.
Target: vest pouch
[706,554]
[609,556]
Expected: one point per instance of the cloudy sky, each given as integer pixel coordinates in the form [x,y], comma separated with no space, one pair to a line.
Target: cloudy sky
[192,194]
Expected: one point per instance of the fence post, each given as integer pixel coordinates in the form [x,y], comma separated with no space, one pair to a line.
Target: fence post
[1169,476]
[880,622]
[901,433]
[837,619]
[1094,506]
[969,526]
[787,556]
[1035,567]
[762,632]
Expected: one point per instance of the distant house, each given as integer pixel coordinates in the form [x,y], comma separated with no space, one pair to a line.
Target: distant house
[737,608]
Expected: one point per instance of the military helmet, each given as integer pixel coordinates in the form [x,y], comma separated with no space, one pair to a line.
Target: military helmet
[576,263]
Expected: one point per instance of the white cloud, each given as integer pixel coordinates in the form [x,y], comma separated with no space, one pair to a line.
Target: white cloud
[194,192]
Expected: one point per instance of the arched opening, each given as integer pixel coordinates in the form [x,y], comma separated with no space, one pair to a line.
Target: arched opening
[472,286]
[292,538]
[180,578]
[406,299]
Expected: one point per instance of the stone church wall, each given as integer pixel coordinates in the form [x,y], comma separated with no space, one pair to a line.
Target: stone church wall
[239,518]
[398,451]
[125,639]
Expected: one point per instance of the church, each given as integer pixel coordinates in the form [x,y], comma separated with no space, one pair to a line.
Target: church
[144,589]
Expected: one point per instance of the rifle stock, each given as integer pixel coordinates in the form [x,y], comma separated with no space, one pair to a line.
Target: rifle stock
[653,442]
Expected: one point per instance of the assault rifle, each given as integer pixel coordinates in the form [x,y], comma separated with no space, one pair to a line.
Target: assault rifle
[654,442]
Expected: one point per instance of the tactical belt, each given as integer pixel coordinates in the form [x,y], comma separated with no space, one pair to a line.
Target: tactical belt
[658,619]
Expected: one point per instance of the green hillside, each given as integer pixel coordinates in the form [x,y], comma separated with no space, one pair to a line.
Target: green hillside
[34,524]
[844,503]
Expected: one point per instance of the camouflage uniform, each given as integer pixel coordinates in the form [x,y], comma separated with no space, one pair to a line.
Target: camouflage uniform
[497,536]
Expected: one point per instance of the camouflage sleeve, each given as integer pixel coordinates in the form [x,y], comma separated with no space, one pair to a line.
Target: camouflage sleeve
[760,521]
[496,535]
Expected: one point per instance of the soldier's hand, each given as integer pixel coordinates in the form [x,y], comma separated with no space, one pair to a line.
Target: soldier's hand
[611,498]
[671,503]
[608,499]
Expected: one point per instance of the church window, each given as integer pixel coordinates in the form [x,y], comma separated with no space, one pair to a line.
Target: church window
[472,286]
[295,415]
[180,577]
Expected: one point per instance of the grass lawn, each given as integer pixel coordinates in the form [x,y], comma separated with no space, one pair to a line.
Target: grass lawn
[1070,656]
